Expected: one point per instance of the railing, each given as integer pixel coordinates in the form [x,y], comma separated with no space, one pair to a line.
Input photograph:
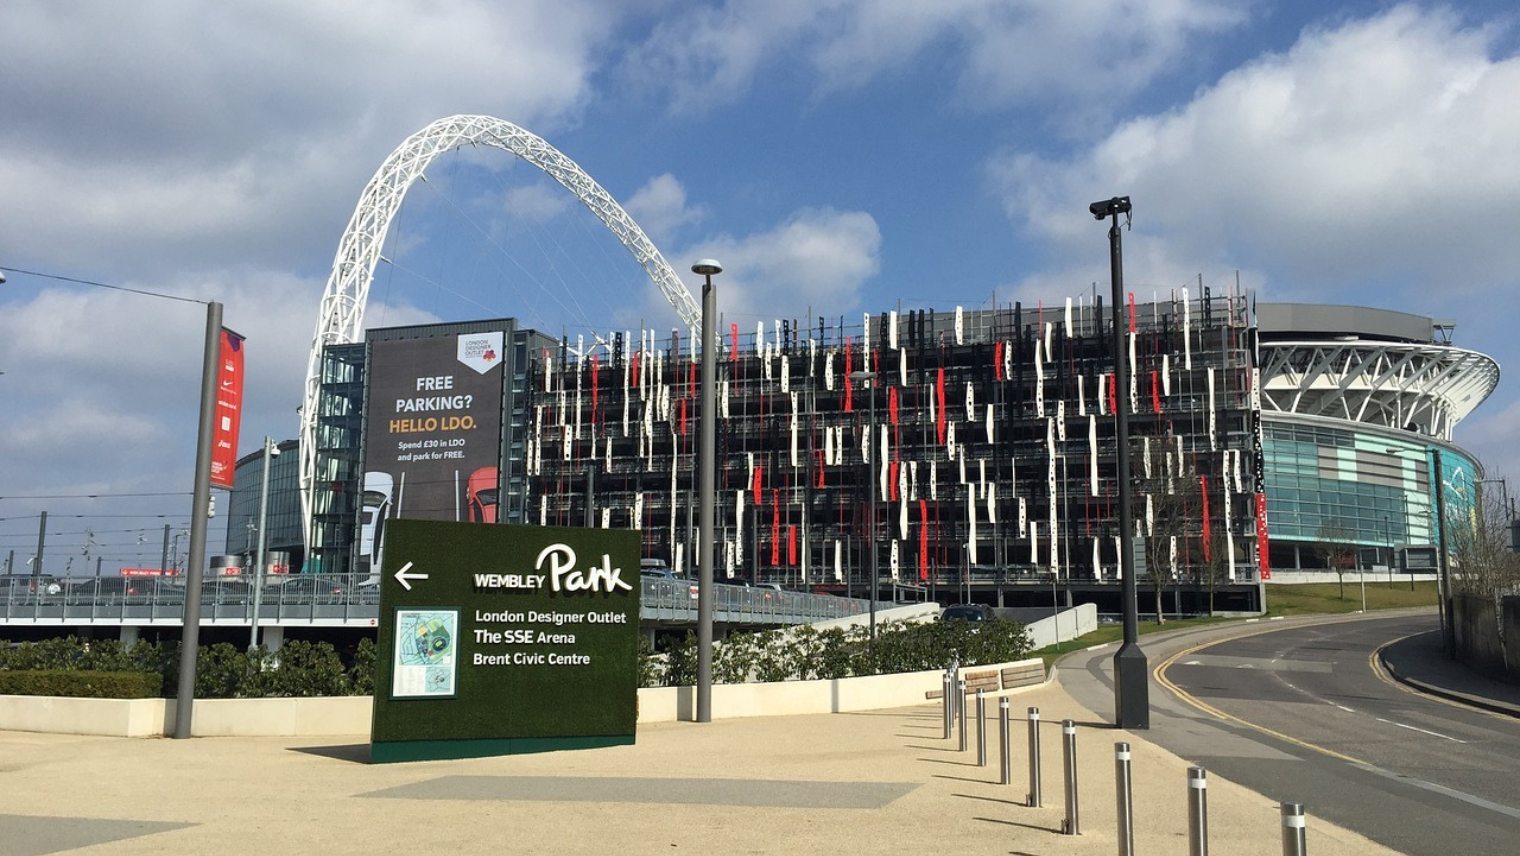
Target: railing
[353,599]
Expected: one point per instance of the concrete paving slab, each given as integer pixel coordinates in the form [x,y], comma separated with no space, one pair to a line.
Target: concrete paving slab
[236,796]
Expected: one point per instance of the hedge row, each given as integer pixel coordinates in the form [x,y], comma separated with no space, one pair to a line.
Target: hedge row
[805,653]
[302,669]
[81,684]
[298,669]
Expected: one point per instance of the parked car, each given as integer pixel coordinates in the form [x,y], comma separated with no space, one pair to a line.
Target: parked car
[306,588]
[967,612]
[109,589]
[214,590]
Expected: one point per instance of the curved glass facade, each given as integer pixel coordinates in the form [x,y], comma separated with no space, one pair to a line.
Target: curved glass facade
[1343,482]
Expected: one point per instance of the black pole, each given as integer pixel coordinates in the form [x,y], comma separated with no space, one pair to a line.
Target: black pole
[41,542]
[1131,672]
[707,486]
[1443,564]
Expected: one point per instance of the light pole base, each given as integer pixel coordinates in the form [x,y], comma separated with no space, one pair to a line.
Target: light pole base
[1132,708]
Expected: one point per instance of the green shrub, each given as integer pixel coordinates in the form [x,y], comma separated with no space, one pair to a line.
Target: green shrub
[222,671]
[361,675]
[78,683]
[681,662]
[734,660]
[804,653]
[651,670]
[301,670]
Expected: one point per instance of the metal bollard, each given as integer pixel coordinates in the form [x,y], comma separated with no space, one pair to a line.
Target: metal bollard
[981,729]
[945,708]
[1034,758]
[1198,811]
[1125,800]
[1294,829]
[1006,732]
[960,709]
[1069,754]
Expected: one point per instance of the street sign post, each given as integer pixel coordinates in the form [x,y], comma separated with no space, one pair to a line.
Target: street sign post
[498,640]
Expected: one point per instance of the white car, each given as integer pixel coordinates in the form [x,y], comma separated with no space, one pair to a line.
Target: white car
[372,516]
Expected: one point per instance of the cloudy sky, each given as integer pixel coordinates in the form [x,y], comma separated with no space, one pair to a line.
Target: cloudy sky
[837,156]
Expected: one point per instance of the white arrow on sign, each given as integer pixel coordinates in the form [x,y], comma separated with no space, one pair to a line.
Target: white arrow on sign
[402,576]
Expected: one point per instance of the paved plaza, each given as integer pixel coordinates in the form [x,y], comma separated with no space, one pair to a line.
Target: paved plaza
[876,782]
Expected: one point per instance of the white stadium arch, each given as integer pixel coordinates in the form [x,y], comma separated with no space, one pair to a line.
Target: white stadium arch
[341,316]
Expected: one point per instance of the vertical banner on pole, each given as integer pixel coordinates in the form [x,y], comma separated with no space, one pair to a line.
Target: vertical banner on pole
[229,408]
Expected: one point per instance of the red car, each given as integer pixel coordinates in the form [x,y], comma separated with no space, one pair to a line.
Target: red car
[480,495]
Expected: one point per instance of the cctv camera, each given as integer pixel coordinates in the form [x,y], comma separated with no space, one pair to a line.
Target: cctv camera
[1109,207]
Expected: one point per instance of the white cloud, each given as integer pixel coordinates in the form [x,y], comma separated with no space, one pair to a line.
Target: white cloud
[538,203]
[816,261]
[1379,150]
[214,127]
[1003,52]
[660,209]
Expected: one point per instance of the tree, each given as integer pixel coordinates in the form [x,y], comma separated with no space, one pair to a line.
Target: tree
[1216,565]
[1334,547]
[1477,544]
[1167,510]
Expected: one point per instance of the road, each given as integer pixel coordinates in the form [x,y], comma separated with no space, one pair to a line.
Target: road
[1298,711]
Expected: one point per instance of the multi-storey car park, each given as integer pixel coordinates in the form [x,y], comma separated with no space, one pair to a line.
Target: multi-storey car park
[972,451]
[985,438]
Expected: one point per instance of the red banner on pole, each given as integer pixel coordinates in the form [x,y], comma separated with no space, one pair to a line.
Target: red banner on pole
[229,409]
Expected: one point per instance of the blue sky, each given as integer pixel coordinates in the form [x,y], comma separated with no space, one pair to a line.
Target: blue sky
[838,156]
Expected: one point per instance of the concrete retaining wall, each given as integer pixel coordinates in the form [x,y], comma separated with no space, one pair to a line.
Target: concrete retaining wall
[1477,623]
[1063,627]
[318,717]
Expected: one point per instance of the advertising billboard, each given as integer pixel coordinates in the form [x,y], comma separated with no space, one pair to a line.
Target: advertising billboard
[433,434]
[498,640]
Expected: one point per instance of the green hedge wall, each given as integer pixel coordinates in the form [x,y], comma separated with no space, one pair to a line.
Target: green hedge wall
[81,684]
[302,669]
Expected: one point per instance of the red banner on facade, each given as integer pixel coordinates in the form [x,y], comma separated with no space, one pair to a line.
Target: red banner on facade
[229,409]
[1263,555]
[1203,489]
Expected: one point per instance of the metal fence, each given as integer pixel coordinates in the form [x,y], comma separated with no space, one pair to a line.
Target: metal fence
[352,599]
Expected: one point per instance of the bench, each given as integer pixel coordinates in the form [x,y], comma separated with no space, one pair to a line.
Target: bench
[1024,675]
[988,681]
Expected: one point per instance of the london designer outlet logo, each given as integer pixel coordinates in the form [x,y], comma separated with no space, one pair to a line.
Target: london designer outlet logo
[480,351]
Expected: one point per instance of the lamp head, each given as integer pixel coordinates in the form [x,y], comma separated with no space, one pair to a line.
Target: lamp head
[1109,207]
[707,267]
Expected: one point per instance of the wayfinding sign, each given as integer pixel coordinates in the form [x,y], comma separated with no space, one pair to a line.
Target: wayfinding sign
[498,639]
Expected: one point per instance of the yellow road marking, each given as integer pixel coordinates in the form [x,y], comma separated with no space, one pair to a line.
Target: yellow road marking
[1160,675]
[1377,668]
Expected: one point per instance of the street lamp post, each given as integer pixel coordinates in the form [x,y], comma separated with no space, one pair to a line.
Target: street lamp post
[1361,577]
[200,503]
[870,377]
[707,463]
[1131,673]
[270,450]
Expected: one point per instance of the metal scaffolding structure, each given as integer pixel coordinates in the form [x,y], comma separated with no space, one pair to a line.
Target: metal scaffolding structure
[992,453]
